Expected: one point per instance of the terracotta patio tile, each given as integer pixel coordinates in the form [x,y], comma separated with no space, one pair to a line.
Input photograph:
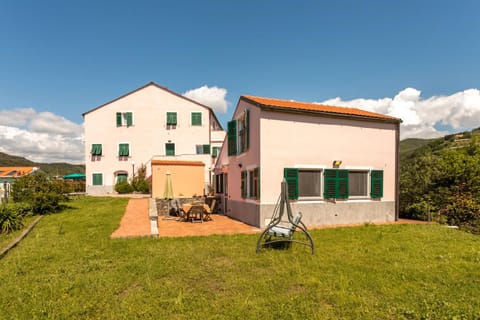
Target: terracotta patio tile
[136,223]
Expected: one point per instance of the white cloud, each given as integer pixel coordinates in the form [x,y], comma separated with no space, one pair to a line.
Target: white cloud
[213,97]
[40,137]
[17,117]
[421,117]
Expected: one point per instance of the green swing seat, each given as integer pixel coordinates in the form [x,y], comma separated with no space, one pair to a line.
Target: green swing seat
[285,231]
[279,231]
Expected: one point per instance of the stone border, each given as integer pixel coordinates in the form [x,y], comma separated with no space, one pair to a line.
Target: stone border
[20,237]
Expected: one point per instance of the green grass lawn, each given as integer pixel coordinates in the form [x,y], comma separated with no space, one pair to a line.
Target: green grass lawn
[69,268]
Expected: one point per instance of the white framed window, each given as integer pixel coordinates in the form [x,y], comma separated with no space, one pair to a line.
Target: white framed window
[310,183]
[124,119]
[358,183]
[250,183]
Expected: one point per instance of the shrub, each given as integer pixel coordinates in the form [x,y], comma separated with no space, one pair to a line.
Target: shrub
[12,216]
[464,212]
[141,186]
[40,193]
[139,182]
[123,187]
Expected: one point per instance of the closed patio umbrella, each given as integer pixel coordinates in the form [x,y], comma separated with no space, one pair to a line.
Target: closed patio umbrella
[168,193]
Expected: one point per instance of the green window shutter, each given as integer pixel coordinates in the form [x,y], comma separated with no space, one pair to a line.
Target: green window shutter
[97,179]
[123,150]
[129,116]
[206,149]
[244,184]
[96,149]
[247,129]
[119,119]
[232,138]
[170,149]
[171,118]
[291,176]
[122,177]
[215,151]
[196,118]
[342,184]
[329,183]
[335,184]
[257,174]
[376,184]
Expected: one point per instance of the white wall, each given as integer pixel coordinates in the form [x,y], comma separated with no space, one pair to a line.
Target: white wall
[147,136]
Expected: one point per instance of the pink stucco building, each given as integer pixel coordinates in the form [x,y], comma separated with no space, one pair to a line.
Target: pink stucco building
[341,164]
[151,123]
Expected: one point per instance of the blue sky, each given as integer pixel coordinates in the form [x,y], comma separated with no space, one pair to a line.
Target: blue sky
[59,59]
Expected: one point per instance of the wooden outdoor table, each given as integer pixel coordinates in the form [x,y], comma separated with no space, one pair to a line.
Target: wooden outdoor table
[187,208]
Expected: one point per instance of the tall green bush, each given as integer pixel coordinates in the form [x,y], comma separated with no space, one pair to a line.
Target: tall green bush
[39,192]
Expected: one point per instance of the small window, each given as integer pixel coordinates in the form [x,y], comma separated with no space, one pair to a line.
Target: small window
[96,149]
[215,151]
[309,183]
[123,150]
[203,148]
[122,177]
[170,149]
[124,119]
[358,183]
[97,179]
[171,120]
[219,183]
[254,183]
[196,118]
[243,183]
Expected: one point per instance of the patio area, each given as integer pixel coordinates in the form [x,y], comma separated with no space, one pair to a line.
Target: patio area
[139,214]
[137,222]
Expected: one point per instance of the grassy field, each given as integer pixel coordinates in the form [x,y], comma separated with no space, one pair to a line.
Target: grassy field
[69,268]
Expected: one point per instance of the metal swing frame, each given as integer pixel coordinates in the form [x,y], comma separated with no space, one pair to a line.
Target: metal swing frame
[276,233]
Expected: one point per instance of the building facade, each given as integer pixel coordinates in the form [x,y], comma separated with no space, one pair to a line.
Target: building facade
[148,124]
[340,164]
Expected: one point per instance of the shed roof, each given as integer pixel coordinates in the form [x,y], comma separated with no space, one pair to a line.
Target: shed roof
[296,106]
[15,172]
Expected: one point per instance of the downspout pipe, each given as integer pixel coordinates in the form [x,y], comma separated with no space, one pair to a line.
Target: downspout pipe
[397,171]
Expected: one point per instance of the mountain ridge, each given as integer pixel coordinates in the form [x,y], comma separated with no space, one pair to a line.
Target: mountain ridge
[52,169]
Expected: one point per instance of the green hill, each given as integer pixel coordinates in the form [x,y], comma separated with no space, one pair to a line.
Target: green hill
[408,146]
[53,169]
[440,179]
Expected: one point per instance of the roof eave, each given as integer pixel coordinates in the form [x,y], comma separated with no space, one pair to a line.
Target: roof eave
[329,114]
[322,113]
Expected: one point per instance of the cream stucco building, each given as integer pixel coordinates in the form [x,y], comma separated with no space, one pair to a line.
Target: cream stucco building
[340,164]
[149,124]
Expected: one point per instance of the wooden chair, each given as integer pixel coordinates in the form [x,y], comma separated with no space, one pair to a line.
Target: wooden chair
[210,210]
[195,214]
[162,207]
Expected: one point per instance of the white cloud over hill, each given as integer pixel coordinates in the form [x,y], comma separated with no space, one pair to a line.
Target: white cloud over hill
[424,118]
[40,137]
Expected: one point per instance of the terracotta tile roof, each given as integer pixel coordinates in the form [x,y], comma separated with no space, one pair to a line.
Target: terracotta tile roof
[14,172]
[317,108]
